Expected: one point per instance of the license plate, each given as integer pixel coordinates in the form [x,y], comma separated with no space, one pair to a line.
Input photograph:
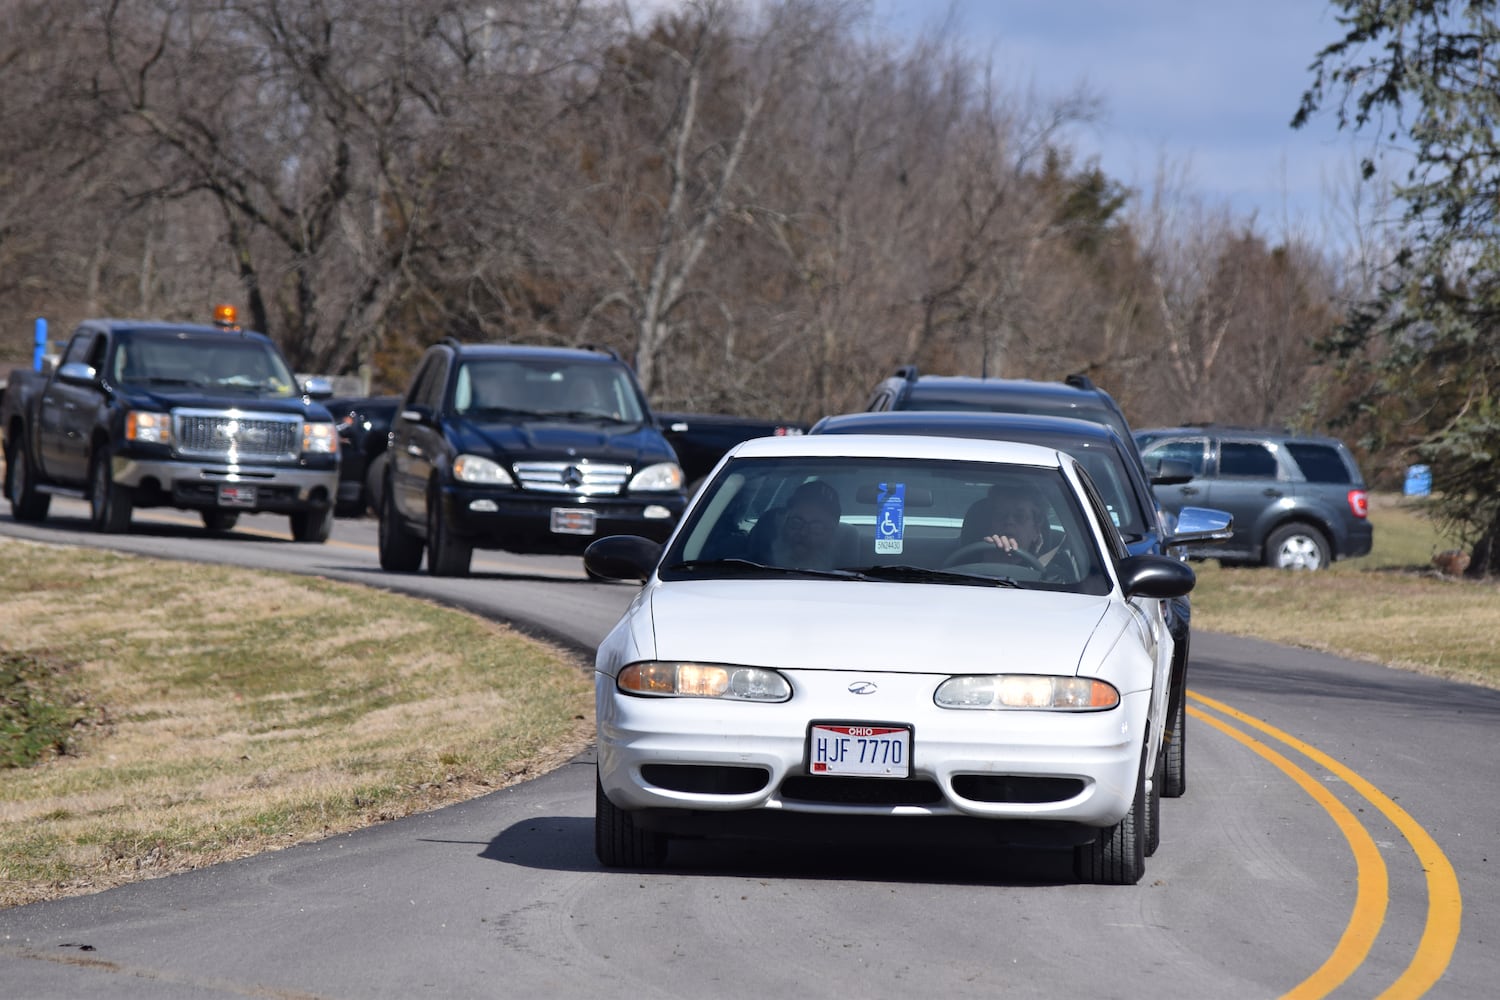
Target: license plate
[236,495]
[869,750]
[572,521]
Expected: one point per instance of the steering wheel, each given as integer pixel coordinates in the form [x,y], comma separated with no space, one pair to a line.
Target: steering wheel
[978,551]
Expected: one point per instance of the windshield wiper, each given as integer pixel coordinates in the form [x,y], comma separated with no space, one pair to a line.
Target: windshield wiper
[161,380]
[749,567]
[920,574]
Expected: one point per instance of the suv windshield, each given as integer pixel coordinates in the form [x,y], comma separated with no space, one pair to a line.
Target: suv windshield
[545,389]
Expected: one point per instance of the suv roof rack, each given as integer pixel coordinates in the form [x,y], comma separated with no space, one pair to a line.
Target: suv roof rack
[601,349]
[1079,380]
[908,372]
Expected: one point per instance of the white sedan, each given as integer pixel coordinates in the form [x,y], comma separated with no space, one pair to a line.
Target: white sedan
[851,630]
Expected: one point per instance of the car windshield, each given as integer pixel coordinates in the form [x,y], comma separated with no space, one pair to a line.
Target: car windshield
[894,520]
[546,389]
[216,362]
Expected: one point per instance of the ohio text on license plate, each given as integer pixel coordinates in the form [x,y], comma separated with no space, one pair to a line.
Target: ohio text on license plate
[874,750]
[236,495]
[572,521]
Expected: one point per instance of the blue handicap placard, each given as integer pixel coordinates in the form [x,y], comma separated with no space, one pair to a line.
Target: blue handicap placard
[890,519]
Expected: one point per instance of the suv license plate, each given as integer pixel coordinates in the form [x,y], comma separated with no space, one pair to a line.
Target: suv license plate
[236,495]
[572,521]
[873,751]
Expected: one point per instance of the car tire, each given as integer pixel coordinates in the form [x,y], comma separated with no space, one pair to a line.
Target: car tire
[27,503]
[374,483]
[1174,749]
[220,520]
[618,842]
[109,502]
[400,550]
[447,554]
[312,525]
[1118,855]
[1297,546]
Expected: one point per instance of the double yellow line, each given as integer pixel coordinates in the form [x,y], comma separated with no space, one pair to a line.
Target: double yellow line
[1444,903]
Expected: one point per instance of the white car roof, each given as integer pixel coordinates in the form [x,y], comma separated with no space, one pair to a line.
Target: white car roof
[899,446]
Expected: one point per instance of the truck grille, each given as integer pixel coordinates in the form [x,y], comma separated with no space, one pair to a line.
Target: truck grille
[235,435]
[578,478]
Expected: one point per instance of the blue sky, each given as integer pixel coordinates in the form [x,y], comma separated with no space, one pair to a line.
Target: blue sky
[1209,85]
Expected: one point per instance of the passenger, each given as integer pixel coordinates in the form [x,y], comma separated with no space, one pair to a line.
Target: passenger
[807,534]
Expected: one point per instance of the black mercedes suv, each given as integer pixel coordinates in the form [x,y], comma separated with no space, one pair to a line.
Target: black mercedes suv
[523,448]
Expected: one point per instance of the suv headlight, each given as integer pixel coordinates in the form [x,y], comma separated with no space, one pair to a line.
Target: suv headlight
[481,470]
[319,438]
[1026,691]
[659,478]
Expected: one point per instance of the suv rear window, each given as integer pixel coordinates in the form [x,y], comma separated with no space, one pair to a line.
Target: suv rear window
[1320,463]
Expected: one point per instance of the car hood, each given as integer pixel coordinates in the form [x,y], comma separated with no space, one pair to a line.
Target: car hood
[562,440]
[836,625]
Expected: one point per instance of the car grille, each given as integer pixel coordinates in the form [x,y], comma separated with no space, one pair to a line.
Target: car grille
[236,436]
[578,478]
[862,791]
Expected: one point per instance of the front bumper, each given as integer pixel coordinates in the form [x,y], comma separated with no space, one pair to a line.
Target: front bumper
[196,484]
[522,522]
[706,756]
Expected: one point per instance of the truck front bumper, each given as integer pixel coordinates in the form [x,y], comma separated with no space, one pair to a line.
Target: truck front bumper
[200,485]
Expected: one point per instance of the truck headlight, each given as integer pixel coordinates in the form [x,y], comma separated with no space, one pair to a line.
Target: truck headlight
[319,438]
[484,471]
[659,478]
[148,428]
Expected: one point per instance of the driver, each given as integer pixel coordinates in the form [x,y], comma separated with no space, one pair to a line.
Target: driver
[1018,522]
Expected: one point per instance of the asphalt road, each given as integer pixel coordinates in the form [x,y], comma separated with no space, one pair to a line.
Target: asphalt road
[1336,839]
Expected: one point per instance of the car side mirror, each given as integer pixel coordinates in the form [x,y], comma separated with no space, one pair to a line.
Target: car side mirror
[418,413]
[77,373]
[622,557]
[1156,576]
[1200,524]
[317,387]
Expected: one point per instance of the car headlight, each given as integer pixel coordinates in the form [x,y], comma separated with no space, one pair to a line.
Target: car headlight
[477,469]
[319,438]
[704,680]
[662,476]
[1026,691]
[149,428]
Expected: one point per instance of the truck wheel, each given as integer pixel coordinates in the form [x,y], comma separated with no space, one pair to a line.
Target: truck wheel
[26,503]
[374,483]
[400,550]
[109,502]
[218,520]
[312,525]
[447,554]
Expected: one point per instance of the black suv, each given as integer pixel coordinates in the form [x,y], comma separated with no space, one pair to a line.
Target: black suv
[527,449]
[1116,472]
[1075,396]
[1298,501]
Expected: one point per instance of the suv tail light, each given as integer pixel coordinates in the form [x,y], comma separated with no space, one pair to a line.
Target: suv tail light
[1359,503]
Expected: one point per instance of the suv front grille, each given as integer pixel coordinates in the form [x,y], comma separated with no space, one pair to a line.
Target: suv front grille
[233,435]
[578,478]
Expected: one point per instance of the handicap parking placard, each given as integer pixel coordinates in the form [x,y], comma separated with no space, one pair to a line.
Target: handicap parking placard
[890,519]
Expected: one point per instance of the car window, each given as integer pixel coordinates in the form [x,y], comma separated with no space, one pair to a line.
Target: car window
[1247,459]
[921,513]
[1320,463]
[1189,451]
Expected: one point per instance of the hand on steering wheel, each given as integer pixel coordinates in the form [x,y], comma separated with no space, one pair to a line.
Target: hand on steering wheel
[983,551]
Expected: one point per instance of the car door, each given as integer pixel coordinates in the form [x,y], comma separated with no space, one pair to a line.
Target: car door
[416,442]
[67,412]
[1252,484]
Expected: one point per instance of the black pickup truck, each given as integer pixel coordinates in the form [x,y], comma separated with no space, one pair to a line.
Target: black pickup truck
[701,439]
[155,414]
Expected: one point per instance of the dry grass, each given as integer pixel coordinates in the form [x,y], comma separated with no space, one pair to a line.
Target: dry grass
[226,712]
[1390,607]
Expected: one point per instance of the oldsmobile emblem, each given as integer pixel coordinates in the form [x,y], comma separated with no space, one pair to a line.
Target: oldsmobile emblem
[863,687]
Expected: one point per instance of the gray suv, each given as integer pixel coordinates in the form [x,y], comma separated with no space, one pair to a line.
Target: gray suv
[1298,501]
